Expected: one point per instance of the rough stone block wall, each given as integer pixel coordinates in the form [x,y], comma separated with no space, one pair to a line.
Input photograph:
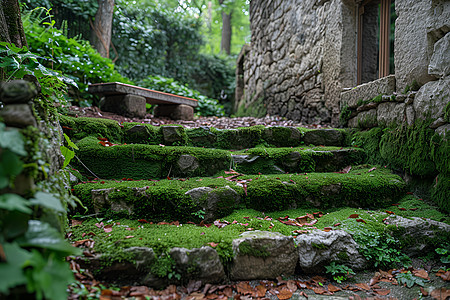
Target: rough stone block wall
[284,69]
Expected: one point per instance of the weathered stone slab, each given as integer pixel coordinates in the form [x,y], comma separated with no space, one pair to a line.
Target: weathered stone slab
[18,115]
[199,264]
[319,248]
[126,105]
[390,113]
[175,112]
[325,137]
[216,203]
[415,233]
[17,92]
[411,49]
[365,119]
[440,60]
[432,98]
[100,200]
[262,255]
[367,91]
[172,134]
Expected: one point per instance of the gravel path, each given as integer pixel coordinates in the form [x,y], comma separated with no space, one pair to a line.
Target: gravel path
[216,122]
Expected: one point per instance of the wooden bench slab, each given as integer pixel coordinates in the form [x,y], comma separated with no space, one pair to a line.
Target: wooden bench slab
[129,100]
[151,96]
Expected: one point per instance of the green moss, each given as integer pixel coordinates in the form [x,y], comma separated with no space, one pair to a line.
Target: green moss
[246,248]
[240,138]
[441,193]
[79,128]
[447,112]
[415,86]
[138,133]
[319,246]
[282,136]
[440,152]
[343,256]
[345,114]
[408,148]
[201,137]
[369,140]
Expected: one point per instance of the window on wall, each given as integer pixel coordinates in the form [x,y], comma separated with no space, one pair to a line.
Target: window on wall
[376,21]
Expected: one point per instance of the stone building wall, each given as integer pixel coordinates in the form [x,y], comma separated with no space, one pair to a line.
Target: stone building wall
[293,67]
[303,55]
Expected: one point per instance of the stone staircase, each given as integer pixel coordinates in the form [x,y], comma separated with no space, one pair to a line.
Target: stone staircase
[169,204]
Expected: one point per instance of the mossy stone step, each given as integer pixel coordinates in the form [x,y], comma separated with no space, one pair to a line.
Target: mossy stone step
[140,161]
[216,197]
[249,245]
[240,138]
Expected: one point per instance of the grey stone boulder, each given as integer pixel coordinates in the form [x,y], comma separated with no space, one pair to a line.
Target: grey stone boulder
[100,201]
[199,264]
[18,115]
[17,91]
[127,272]
[172,134]
[365,119]
[319,248]
[432,98]
[416,233]
[325,137]
[245,163]
[440,60]
[263,255]
[390,113]
[143,257]
[187,163]
[217,202]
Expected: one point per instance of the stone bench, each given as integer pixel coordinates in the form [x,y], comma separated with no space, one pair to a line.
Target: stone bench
[129,100]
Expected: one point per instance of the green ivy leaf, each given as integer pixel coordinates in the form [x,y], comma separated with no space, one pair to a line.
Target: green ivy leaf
[42,235]
[48,201]
[14,202]
[68,155]
[70,143]
[11,273]
[12,140]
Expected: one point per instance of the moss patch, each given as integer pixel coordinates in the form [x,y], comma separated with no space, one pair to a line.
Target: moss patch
[408,148]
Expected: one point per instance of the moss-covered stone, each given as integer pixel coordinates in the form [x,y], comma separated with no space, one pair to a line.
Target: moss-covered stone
[441,192]
[79,128]
[369,140]
[408,148]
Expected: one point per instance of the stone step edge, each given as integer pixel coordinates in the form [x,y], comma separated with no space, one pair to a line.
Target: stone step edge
[218,197]
[191,161]
[262,255]
[241,138]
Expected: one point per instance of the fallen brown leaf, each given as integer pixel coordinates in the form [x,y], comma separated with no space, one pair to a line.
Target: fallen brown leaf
[261,291]
[319,290]
[423,291]
[353,216]
[382,292]
[303,294]
[421,273]
[228,291]
[292,285]
[333,289]
[284,294]
[196,296]
[245,288]
[444,275]
[440,294]
[363,286]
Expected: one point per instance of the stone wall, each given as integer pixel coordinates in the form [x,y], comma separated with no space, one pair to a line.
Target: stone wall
[294,66]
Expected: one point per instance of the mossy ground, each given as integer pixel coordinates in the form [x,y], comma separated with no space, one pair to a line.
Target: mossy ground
[127,233]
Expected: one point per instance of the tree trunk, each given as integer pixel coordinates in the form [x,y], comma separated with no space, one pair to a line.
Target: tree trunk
[101,29]
[225,44]
[11,28]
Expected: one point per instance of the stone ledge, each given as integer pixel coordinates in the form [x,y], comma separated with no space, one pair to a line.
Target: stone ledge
[369,90]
